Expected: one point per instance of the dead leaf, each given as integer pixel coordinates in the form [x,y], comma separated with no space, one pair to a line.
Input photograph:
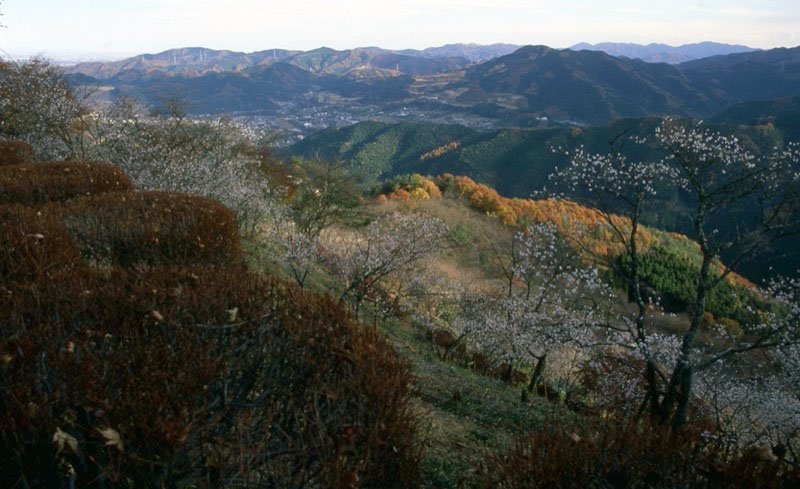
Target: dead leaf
[61,438]
[112,438]
[232,313]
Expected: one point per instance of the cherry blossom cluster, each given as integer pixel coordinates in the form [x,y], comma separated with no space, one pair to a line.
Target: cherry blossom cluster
[612,176]
[554,302]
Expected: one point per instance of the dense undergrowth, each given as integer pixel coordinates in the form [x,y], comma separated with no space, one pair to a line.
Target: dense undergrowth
[136,350]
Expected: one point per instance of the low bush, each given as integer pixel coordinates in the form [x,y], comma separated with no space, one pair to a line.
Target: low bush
[613,383]
[56,182]
[151,228]
[410,186]
[635,455]
[16,152]
[196,377]
[33,245]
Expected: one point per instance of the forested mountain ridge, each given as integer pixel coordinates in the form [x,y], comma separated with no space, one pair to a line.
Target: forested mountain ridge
[590,87]
[514,161]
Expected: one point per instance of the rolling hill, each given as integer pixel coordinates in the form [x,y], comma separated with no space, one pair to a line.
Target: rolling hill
[783,113]
[516,162]
[583,86]
[537,83]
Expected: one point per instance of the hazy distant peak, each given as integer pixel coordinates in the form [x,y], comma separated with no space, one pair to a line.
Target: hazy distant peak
[664,53]
[475,53]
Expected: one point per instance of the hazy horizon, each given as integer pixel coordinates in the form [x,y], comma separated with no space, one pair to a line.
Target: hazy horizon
[97,29]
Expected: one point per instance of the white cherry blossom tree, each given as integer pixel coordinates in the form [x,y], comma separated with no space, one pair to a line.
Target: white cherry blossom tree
[388,246]
[718,175]
[549,300]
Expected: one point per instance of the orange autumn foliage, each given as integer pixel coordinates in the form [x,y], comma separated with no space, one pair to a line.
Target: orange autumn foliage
[586,228]
[410,187]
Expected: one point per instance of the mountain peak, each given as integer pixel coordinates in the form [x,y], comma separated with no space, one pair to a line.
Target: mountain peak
[533,51]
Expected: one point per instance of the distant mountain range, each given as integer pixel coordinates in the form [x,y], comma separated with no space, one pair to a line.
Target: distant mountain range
[475,53]
[533,86]
[662,53]
[198,61]
[370,60]
[191,61]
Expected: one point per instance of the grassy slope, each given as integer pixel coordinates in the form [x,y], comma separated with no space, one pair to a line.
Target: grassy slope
[464,414]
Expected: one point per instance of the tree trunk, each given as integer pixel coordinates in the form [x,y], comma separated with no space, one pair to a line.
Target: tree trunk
[357,307]
[681,416]
[537,373]
[651,397]
[680,383]
[508,375]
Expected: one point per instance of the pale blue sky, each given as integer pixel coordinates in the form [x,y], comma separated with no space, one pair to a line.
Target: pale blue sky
[120,27]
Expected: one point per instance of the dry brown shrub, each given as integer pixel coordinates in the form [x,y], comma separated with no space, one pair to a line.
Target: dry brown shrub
[629,455]
[16,153]
[615,382]
[210,377]
[33,245]
[152,228]
[57,182]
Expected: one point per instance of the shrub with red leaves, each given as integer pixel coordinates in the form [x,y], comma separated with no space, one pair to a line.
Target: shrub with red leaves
[33,246]
[16,153]
[56,182]
[212,377]
[152,228]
